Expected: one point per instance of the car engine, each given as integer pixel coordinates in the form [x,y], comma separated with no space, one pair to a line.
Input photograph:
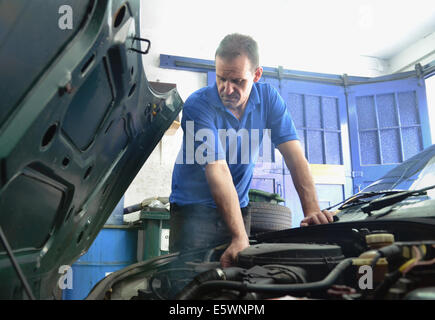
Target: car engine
[371,266]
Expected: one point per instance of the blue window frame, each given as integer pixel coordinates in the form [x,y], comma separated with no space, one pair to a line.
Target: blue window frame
[388,124]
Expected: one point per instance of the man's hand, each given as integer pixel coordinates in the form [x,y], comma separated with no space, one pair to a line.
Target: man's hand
[300,171]
[229,257]
[320,217]
[227,201]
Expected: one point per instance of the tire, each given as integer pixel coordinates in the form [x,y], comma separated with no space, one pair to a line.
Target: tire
[267,217]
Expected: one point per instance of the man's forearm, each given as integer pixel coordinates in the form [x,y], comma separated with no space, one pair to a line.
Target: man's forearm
[225,196]
[301,175]
[305,187]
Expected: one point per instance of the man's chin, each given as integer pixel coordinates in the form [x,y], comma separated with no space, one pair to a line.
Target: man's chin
[229,102]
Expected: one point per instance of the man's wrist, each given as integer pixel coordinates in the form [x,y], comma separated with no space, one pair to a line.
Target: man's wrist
[240,238]
[312,213]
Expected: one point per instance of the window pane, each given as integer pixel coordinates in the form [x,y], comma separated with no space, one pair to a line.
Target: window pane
[365,108]
[390,142]
[295,105]
[330,113]
[312,106]
[412,143]
[386,110]
[369,147]
[315,147]
[333,148]
[408,108]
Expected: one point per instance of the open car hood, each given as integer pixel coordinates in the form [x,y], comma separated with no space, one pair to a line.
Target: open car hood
[78,119]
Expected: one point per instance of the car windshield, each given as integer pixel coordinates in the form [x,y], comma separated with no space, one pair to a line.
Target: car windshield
[393,195]
[415,173]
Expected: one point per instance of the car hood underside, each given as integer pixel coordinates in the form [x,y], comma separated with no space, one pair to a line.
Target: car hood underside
[78,119]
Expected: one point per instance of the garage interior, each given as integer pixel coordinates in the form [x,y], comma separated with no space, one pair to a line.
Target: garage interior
[362,40]
[358,78]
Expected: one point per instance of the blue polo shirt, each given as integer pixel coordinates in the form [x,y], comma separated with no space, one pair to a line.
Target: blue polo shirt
[211,132]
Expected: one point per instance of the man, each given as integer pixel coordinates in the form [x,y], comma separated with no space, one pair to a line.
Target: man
[209,197]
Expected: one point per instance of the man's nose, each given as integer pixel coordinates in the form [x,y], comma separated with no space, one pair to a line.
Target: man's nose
[228,89]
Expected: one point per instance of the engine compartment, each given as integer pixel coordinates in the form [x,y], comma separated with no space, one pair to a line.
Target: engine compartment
[387,261]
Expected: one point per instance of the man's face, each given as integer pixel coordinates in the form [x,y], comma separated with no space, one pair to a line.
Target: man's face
[234,79]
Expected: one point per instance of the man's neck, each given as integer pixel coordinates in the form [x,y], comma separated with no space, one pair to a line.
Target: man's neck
[238,111]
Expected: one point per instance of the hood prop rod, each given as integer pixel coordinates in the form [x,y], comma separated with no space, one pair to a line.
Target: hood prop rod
[16,265]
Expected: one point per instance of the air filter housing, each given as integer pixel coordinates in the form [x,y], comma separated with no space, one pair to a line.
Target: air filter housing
[317,259]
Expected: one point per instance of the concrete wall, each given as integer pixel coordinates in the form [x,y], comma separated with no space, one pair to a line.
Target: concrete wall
[176,28]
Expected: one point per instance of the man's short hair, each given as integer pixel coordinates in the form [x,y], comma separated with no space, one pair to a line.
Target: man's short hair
[236,44]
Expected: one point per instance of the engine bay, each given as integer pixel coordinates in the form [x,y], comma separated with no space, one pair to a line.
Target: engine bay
[386,261]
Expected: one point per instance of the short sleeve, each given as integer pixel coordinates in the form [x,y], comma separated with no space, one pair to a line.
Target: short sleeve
[201,144]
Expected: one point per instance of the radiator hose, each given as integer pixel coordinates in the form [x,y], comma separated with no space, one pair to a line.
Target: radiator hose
[208,276]
[197,289]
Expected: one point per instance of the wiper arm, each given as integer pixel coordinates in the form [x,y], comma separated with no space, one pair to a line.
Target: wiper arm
[356,199]
[392,199]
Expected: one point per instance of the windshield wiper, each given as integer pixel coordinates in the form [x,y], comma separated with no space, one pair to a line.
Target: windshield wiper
[357,198]
[389,200]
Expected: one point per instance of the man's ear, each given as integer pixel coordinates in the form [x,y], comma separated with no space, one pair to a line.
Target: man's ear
[258,73]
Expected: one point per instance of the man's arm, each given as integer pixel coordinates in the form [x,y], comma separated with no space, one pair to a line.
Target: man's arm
[227,201]
[300,171]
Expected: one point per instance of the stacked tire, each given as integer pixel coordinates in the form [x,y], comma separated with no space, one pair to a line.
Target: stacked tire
[267,217]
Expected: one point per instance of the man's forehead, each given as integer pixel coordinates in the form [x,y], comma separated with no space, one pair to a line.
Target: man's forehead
[237,67]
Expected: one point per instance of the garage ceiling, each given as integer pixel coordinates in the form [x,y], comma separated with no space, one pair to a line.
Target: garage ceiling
[377,28]
[333,36]
[380,29]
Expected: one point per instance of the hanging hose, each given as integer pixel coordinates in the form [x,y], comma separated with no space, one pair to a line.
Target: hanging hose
[145,203]
[133,208]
